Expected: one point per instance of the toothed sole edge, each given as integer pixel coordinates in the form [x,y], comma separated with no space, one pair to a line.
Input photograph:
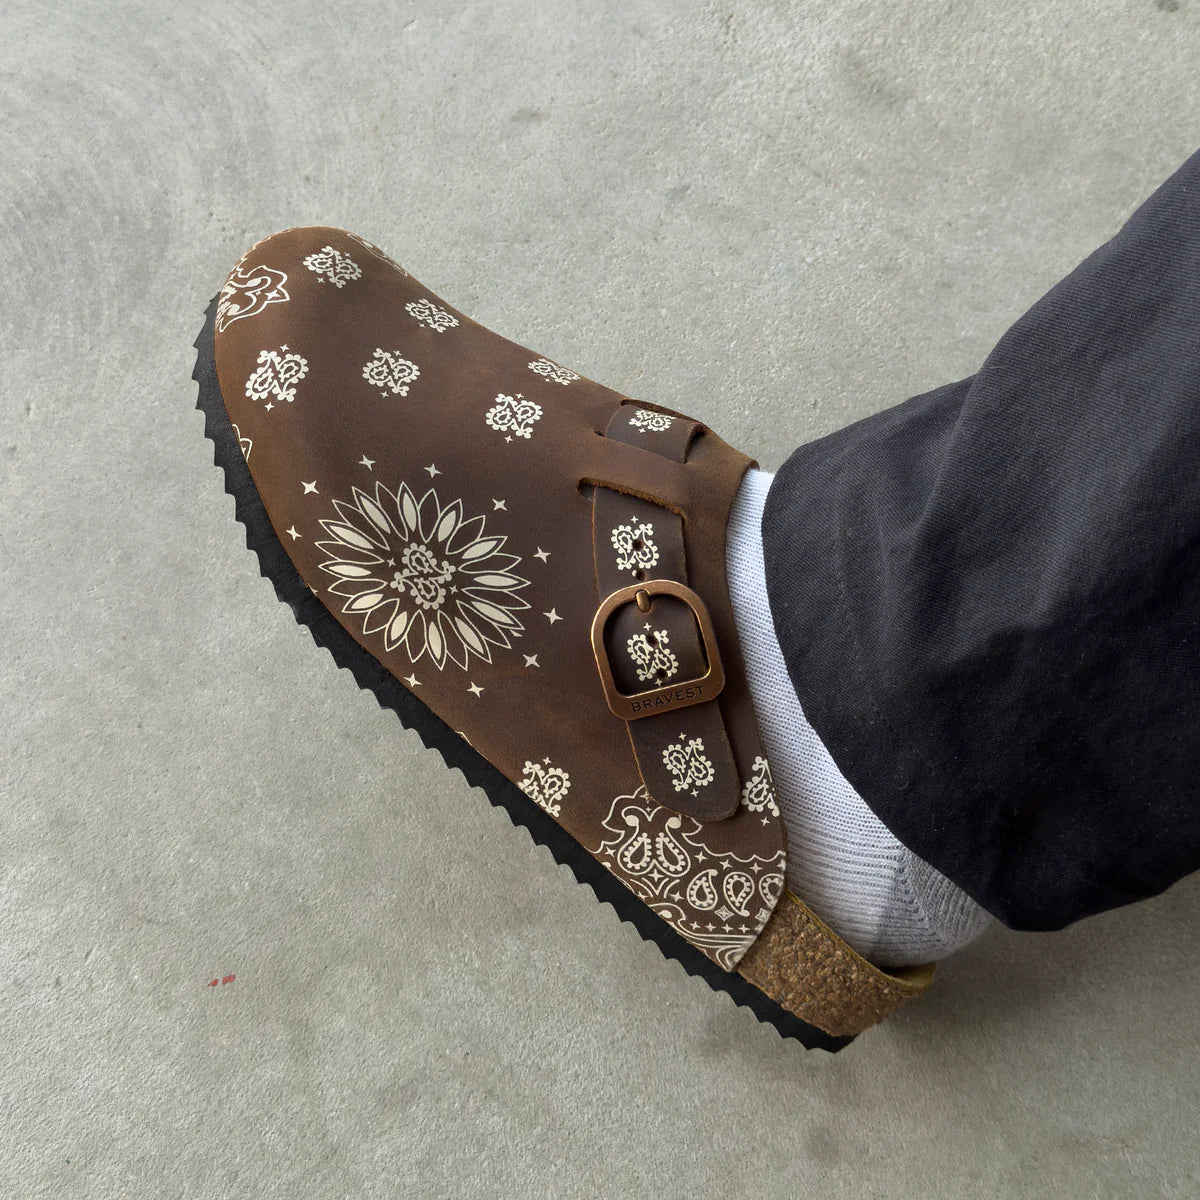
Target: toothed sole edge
[370,675]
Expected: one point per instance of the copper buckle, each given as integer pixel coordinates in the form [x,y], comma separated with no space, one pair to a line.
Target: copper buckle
[681,694]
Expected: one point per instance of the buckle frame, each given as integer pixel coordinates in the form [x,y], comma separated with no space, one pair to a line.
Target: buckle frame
[680,694]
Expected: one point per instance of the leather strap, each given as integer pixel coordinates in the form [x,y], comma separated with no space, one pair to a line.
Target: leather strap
[683,754]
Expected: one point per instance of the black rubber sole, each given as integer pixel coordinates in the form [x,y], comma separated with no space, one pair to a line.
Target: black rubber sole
[369,673]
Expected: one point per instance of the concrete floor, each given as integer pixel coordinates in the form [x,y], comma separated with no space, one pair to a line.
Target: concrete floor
[778,219]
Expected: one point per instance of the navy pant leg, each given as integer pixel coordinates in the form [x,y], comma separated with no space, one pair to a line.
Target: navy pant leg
[988,597]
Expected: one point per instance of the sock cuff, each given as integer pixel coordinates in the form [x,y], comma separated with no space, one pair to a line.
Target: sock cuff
[843,862]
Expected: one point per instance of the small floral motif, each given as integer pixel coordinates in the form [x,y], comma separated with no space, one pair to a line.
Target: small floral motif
[391,372]
[545,785]
[553,372]
[650,422]
[423,575]
[689,766]
[340,269]
[759,791]
[652,660]
[513,415]
[247,291]
[276,376]
[634,544]
[428,313]
[246,444]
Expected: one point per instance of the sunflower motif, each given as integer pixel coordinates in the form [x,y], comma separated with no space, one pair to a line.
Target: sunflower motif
[423,575]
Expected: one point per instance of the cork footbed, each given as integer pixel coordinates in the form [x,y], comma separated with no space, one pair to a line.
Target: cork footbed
[790,959]
[844,993]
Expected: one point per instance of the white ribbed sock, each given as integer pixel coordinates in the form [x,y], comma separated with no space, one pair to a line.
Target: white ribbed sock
[843,862]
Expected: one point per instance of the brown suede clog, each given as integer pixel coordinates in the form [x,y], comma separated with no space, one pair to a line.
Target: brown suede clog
[529,568]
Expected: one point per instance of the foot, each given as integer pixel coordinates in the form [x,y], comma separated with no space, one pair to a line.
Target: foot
[887,903]
[498,547]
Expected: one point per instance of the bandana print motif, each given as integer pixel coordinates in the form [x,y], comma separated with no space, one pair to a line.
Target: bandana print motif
[545,785]
[689,766]
[650,422]
[390,371]
[247,292]
[635,546]
[758,794]
[428,313]
[244,442]
[514,416]
[652,659]
[422,576]
[276,376]
[552,371]
[717,900]
[328,263]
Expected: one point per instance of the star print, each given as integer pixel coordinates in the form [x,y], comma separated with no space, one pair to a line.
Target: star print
[283,347]
[552,616]
[432,470]
[412,681]
[531,660]
[508,439]
[391,562]
[695,792]
[499,504]
[310,487]
[292,533]
[270,405]
[475,689]
[542,554]
[366,462]
[647,625]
